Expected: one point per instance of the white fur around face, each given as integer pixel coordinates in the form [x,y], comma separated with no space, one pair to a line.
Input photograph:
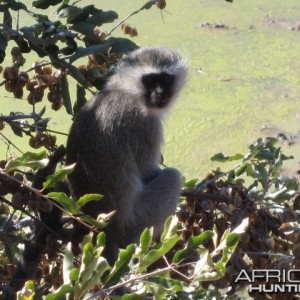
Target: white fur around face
[127,78]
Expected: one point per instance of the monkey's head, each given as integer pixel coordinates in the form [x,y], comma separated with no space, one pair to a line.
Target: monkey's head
[152,75]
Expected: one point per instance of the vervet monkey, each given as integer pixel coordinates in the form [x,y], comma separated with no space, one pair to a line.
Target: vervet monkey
[116,141]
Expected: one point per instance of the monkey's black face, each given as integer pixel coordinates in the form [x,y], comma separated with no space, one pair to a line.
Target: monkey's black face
[158,89]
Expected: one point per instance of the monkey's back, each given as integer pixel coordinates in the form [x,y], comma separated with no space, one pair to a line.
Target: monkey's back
[114,144]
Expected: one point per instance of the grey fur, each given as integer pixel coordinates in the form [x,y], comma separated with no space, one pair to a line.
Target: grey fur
[116,141]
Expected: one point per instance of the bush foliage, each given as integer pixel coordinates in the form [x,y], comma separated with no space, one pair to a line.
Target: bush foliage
[240,220]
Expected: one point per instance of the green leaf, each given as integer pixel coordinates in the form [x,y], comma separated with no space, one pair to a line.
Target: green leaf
[14,5]
[100,242]
[122,265]
[122,45]
[102,17]
[191,184]
[2,56]
[241,169]
[7,19]
[68,11]
[74,274]
[27,293]
[16,128]
[32,160]
[169,284]
[3,42]
[221,157]
[84,28]
[100,266]
[67,263]
[170,228]
[224,243]
[135,296]
[80,16]
[260,145]
[43,4]
[232,240]
[145,240]
[59,175]
[60,294]
[263,176]
[67,203]
[193,243]
[252,173]
[91,221]
[87,198]
[148,4]
[205,269]
[156,254]
[84,51]
[65,93]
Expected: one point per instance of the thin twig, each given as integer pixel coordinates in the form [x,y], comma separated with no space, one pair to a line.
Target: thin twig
[45,197]
[177,272]
[11,143]
[150,3]
[25,212]
[134,279]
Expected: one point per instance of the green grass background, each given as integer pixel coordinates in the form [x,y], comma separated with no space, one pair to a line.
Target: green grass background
[250,76]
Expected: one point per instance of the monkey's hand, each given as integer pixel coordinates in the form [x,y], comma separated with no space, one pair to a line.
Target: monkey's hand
[152,175]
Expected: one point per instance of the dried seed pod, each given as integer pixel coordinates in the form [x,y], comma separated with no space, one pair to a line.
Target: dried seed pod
[10,270]
[102,35]
[97,31]
[23,78]
[161,4]
[37,67]
[10,73]
[9,86]
[56,102]
[245,237]
[50,141]
[35,95]
[15,51]
[32,142]
[125,28]
[133,32]
[82,69]
[270,243]
[18,92]
[47,70]
[47,79]
[30,84]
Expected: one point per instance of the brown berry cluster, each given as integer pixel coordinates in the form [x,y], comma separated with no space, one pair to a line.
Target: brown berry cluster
[15,81]
[101,34]
[17,57]
[127,29]
[42,139]
[98,66]
[43,79]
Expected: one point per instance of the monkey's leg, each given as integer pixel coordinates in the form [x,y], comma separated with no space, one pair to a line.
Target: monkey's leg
[158,200]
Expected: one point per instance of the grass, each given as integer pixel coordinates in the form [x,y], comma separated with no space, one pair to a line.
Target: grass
[250,76]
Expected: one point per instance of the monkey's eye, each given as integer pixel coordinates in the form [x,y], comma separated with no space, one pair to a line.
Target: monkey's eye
[149,80]
[168,79]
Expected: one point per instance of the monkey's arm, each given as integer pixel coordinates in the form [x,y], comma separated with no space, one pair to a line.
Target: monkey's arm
[158,200]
